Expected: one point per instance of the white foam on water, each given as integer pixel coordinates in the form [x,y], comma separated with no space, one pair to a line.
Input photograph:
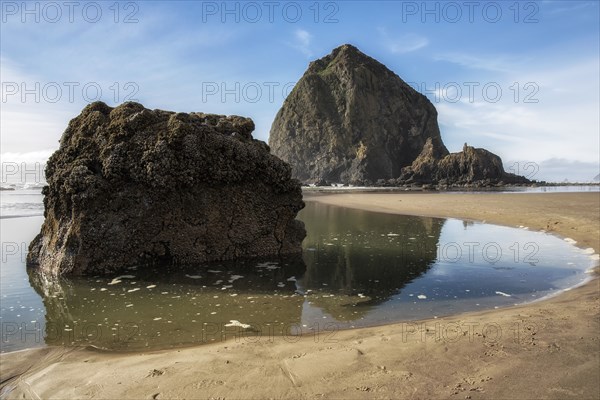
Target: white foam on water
[503,294]
[421,297]
[150,286]
[133,290]
[119,278]
[268,265]
[193,276]
[234,322]
[569,240]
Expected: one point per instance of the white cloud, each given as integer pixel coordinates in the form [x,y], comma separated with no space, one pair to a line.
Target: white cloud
[405,43]
[302,41]
[562,125]
[39,156]
[29,125]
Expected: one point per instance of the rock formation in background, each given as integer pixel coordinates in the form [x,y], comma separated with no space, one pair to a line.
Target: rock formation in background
[470,166]
[349,119]
[131,186]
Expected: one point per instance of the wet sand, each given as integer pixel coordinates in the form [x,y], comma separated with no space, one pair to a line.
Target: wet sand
[547,349]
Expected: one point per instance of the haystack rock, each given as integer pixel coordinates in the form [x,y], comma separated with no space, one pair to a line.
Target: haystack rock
[131,186]
[349,119]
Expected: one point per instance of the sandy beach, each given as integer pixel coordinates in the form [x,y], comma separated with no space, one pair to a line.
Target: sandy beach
[547,349]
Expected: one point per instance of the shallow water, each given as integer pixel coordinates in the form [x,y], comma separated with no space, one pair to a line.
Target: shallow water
[357,269]
[503,189]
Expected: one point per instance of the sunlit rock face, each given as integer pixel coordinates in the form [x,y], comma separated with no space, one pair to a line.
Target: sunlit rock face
[131,186]
[351,120]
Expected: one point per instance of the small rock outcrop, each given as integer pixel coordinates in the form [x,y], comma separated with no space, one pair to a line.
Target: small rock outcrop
[470,166]
[132,186]
[351,120]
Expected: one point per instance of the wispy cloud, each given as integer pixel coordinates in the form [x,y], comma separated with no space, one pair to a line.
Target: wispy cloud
[402,44]
[302,41]
[493,63]
[531,131]
[39,156]
[561,7]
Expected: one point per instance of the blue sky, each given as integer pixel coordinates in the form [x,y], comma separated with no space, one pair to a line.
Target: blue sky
[518,78]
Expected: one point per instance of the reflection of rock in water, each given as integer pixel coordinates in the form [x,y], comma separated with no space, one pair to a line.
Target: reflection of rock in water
[365,253]
[467,224]
[140,310]
[361,259]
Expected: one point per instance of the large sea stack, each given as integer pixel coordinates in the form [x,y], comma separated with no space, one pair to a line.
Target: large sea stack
[350,119]
[131,186]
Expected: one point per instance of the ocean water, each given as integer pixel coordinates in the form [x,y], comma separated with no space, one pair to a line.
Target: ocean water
[21,203]
[357,269]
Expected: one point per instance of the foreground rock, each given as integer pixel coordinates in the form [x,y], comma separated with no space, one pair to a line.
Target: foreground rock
[132,186]
[351,120]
